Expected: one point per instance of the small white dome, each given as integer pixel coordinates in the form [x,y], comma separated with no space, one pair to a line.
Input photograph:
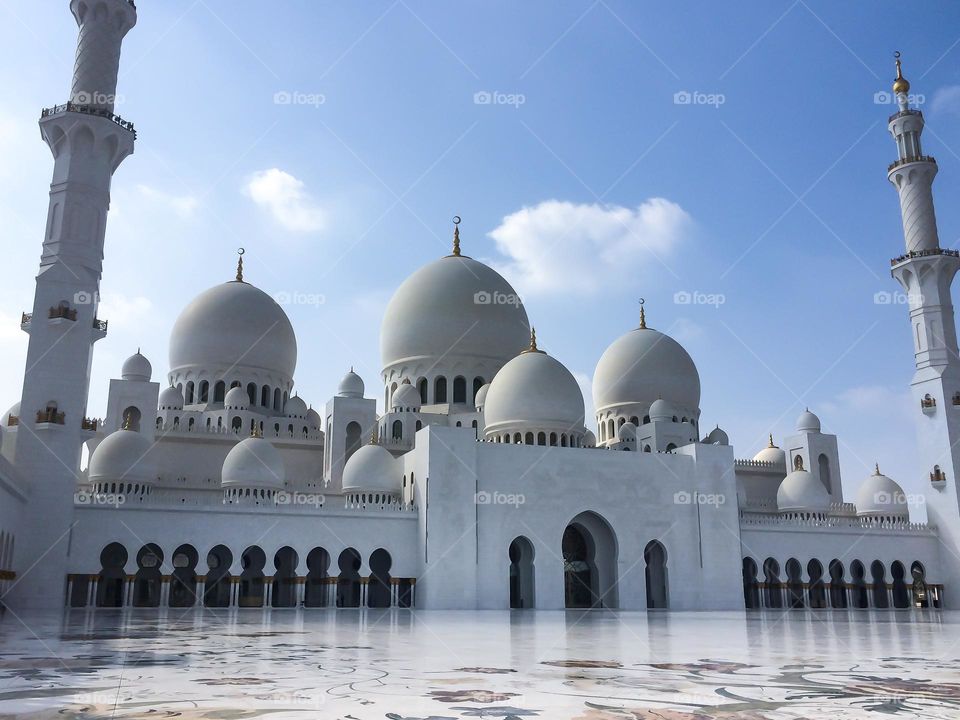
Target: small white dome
[660,409]
[534,392]
[372,469]
[123,456]
[313,417]
[14,411]
[136,368]
[295,407]
[627,432]
[808,422]
[236,399]
[406,398]
[351,385]
[717,436]
[589,439]
[881,496]
[802,492]
[253,463]
[481,398]
[170,399]
[772,454]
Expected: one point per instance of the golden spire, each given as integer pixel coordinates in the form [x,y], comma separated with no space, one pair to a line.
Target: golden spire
[771,445]
[240,252]
[256,432]
[900,85]
[373,435]
[876,468]
[456,236]
[127,421]
[643,315]
[533,342]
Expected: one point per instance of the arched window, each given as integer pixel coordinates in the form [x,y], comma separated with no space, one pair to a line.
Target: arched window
[422,387]
[131,418]
[478,383]
[419,426]
[460,390]
[517,439]
[277,400]
[528,439]
[265,396]
[541,438]
[204,391]
[824,464]
[188,398]
[252,393]
[440,390]
[397,430]
[352,441]
[219,391]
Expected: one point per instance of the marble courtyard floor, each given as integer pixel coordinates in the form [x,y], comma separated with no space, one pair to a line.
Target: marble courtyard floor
[403,665]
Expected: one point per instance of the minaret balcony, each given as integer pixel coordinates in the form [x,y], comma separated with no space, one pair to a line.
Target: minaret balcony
[938,478]
[51,416]
[99,329]
[932,252]
[90,424]
[25,320]
[13,420]
[911,159]
[63,312]
[90,110]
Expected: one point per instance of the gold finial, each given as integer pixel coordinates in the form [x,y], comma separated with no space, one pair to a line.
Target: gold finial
[373,435]
[900,85]
[256,432]
[456,236]
[643,315]
[876,468]
[240,252]
[533,342]
[127,421]
[798,462]
[771,445]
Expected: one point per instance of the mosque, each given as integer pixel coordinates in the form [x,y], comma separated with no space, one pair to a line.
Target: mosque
[479,486]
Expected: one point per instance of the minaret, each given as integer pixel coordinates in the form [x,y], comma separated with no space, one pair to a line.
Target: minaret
[88,142]
[926,272]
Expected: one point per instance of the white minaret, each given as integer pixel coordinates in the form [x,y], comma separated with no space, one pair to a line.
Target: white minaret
[926,272]
[88,142]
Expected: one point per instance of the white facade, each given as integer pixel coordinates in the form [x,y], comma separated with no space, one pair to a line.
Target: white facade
[480,487]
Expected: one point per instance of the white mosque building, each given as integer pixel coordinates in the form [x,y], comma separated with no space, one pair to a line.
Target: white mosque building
[480,486]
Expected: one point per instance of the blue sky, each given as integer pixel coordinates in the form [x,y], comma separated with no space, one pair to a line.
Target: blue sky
[768,191]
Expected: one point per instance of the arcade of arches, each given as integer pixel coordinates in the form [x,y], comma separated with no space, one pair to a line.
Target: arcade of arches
[821,585]
[182,581]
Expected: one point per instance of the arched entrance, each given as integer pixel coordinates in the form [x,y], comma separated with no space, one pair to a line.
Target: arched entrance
[217,590]
[751,589]
[285,578]
[879,589]
[589,550]
[771,578]
[149,578]
[655,557]
[817,592]
[522,578]
[838,589]
[113,558]
[795,583]
[378,589]
[183,581]
[901,596]
[318,563]
[920,592]
[252,561]
[348,583]
[858,592]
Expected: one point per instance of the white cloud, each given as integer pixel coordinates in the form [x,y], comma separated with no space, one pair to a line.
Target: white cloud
[559,246]
[124,312]
[183,205]
[946,100]
[287,201]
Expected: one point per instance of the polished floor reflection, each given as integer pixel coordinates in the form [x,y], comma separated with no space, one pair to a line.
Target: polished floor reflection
[417,665]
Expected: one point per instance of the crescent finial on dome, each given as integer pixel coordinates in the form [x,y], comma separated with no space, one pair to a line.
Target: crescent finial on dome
[643,315]
[533,342]
[256,432]
[456,236]
[240,264]
[127,421]
[900,84]
[771,445]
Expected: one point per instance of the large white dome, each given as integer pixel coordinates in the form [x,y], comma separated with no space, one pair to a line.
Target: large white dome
[372,469]
[642,366]
[136,368]
[802,492]
[123,456]
[879,496]
[533,392]
[455,307]
[253,463]
[233,326]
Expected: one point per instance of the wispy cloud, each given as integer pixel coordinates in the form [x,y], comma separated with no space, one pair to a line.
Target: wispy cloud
[286,199]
